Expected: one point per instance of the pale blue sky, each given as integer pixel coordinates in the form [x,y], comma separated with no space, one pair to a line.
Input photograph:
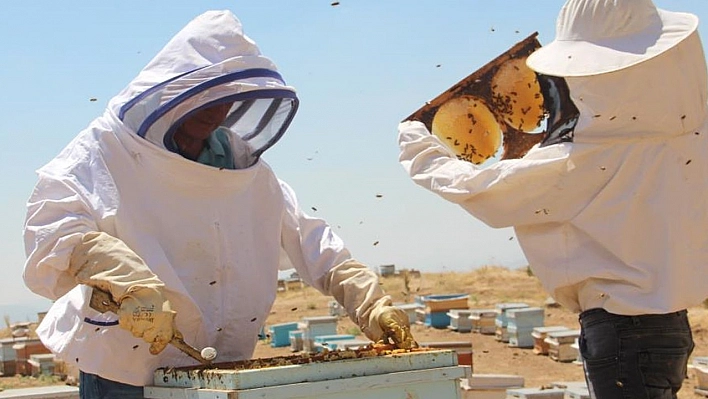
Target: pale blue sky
[359,68]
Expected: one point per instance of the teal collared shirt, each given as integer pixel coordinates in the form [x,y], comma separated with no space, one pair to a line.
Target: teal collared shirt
[217,151]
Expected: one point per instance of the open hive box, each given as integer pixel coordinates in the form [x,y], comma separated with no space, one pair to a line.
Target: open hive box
[360,373]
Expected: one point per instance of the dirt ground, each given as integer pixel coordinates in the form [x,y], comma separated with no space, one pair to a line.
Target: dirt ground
[486,287]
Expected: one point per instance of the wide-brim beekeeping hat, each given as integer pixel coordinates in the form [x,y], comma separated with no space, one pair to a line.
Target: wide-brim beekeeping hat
[601,36]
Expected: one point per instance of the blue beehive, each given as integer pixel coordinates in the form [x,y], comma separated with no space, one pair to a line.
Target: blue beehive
[503,308]
[330,341]
[280,334]
[437,307]
[520,325]
[437,319]
[501,321]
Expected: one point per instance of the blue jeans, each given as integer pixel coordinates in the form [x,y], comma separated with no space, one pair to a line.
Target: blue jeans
[92,386]
[634,357]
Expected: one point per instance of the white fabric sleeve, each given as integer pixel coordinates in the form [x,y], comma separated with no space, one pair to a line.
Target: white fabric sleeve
[357,289]
[57,218]
[309,242]
[533,189]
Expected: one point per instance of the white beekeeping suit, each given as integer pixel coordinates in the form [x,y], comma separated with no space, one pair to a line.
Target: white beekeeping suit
[616,218]
[205,241]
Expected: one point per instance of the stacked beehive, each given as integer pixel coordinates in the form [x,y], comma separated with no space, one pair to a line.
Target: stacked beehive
[560,345]
[315,326]
[280,334]
[436,308]
[520,325]
[501,321]
[483,321]
[539,334]
[535,393]
[699,365]
[460,320]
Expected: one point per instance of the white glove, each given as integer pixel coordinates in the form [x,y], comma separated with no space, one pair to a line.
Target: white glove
[106,263]
[357,288]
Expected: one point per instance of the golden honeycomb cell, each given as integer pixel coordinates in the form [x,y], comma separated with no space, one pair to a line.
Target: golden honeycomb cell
[516,95]
[469,128]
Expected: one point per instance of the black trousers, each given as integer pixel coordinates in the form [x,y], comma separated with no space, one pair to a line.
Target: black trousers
[634,357]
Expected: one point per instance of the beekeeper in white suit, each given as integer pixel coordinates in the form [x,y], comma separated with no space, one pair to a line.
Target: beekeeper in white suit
[164,202]
[612,219]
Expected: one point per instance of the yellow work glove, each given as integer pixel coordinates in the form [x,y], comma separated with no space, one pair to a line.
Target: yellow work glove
[147,315]
[357,289]
[106,263]
[395,326]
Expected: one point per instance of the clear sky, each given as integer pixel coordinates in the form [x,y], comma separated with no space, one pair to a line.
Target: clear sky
[359,68]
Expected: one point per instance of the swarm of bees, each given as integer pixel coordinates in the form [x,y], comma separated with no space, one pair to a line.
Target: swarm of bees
[473,127]
[500,105]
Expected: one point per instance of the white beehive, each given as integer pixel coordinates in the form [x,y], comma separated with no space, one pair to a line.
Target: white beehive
[560,345]
[535,393]
[576,345]
[520,325]
[462,348]
[489,386]
[420,315]
[501,321]
[295,340]
[540,346]
[483,321]
[315,326]
[460,320]
[422,375]
[581,392]
[699,365]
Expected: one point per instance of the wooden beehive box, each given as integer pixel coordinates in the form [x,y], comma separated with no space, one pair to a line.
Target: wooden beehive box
[576,345]
[535,393]
[501,320]
[315,326]
[540,346]
[560,345]
[460,320]
[420,316]
[295,340]
[329,342]
[699,365]
[489,386]
[48,392]
[437,319]
[519,337]
[463,349]
[525,318]
[483,321]
[280,334]
[422,374]
[445,302]
[520,325]
[350,344]
[577,393]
